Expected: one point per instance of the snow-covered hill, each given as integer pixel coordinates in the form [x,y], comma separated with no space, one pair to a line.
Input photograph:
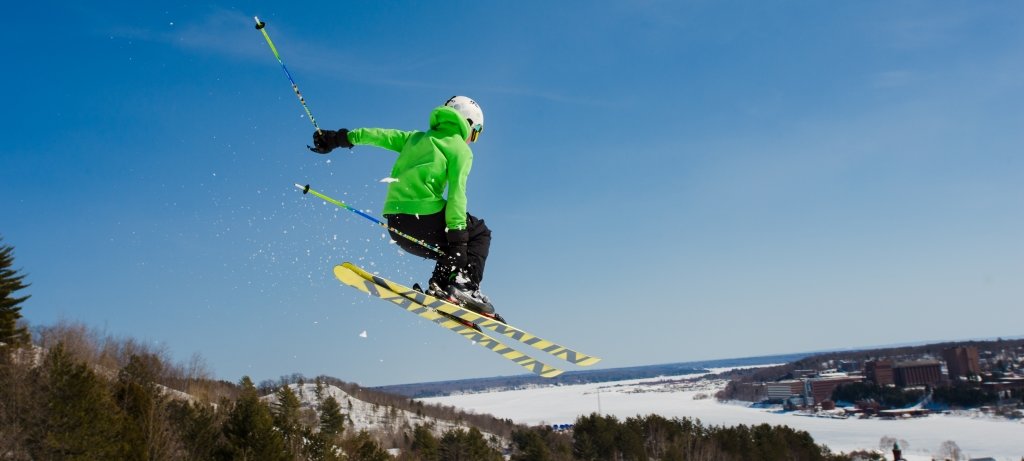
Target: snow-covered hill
[380,420]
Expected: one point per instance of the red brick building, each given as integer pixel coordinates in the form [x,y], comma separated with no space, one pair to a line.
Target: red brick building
[783,390]
[821,388]
[961,361]
[918,373]
[879,372]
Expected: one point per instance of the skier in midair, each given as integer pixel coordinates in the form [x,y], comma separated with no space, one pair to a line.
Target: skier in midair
[427,162]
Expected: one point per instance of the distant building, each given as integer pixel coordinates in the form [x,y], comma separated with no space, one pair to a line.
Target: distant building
[917,373]
[782,390]
[879,372]
[797,402]
[961,361]
[820,389]
[847,366]
[804,373]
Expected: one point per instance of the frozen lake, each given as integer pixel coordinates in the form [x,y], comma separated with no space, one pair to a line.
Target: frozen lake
[977,436]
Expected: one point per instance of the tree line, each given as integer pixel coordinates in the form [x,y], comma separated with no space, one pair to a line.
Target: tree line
[57,405]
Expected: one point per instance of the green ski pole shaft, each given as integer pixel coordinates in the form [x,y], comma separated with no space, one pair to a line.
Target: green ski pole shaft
[306,190]
[261,26]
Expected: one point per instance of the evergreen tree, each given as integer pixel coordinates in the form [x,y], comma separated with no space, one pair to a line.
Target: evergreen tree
[557,445]
[79,420]
[318,391]
[199,430]
[595,437]
[461,445]
[286,418]
[18,400]
[529,446]
[424,444]
[324,443]
[362,447]
[249,429]
[146,429]
[10,306]
[332,422]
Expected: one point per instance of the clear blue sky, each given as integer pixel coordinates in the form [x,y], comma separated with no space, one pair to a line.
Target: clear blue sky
[666,181]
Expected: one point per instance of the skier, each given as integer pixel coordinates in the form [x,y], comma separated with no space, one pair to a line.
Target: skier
[415,204]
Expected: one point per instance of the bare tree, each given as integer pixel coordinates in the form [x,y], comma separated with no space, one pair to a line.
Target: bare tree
[951,451]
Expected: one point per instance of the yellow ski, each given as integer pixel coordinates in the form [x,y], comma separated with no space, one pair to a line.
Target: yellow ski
[550,347]
[347,274]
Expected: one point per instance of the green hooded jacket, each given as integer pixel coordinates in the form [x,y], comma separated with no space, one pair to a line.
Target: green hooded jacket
[427,162]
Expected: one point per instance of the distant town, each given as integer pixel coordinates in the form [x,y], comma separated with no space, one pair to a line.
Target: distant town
[894,383]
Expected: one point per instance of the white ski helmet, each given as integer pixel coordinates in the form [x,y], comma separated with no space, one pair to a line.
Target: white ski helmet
[469,109]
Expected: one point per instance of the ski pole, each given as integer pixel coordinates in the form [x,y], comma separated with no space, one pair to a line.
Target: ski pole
[306,190]
[261,26]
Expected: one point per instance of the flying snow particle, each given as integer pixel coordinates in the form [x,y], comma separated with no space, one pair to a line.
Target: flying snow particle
[363,334]
[389,180]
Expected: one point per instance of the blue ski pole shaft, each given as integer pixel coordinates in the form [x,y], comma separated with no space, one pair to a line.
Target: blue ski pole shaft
[306,190]
[261,26]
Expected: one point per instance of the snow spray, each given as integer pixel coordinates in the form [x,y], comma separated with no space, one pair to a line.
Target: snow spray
[306,190]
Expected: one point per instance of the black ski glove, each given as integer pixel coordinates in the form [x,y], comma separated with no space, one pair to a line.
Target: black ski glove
[325,141]
[458,249]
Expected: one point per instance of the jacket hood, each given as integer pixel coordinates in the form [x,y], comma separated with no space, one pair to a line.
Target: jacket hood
[444,119]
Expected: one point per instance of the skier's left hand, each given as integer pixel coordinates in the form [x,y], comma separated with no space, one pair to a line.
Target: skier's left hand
[325,141]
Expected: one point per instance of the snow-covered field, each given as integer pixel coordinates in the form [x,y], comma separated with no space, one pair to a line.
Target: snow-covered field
[361,415]
[678,397]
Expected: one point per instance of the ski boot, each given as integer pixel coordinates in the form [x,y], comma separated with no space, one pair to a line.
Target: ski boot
[462,294]
[434,290]
[468,295]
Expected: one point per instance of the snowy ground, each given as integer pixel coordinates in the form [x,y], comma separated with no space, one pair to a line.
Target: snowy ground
[679,397]
[361,415]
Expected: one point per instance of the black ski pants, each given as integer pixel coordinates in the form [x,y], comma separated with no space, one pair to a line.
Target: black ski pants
[431,229]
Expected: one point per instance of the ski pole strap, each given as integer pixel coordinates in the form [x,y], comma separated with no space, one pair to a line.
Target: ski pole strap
[307,190]
[262,27]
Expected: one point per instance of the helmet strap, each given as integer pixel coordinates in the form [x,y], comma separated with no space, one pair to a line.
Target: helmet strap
[474,132]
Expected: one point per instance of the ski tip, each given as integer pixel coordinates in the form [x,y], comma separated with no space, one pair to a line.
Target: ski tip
[347,267]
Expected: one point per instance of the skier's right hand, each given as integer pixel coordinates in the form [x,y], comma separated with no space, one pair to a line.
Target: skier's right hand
[325,141]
